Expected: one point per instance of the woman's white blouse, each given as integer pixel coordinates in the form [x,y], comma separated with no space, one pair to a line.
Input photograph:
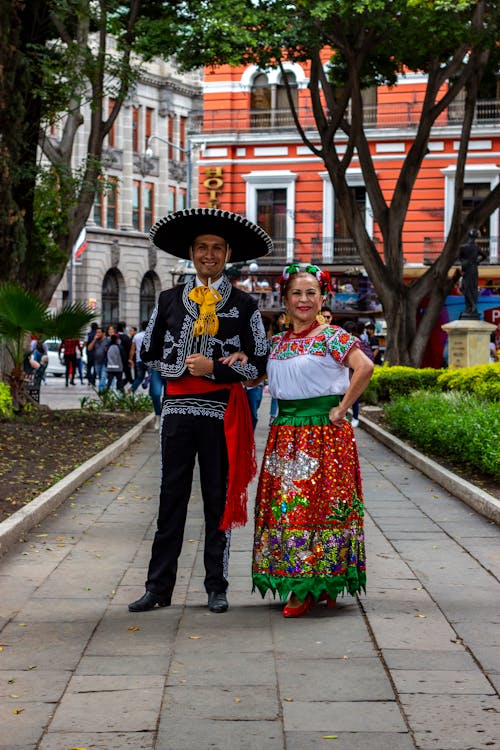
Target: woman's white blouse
[309,367]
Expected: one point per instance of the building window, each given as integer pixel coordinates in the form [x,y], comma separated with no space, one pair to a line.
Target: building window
[170,136]
[270,199]
[149,193]
[148,126]
[98,214]
[147,298]
[135,130]
[370,98]
[260,102]
[474,193]
[343,241]
[283,115]
[171,199]
[479,180]
[136,205]
[271,216]
[110,299]
[112,203]
[182,138]
[181,199]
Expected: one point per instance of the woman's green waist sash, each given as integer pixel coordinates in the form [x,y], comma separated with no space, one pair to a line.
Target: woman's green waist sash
[303,411]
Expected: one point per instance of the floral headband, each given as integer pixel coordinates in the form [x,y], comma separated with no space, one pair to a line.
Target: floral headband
[323,277]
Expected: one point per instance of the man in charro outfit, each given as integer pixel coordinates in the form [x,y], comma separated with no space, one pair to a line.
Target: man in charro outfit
[191,335]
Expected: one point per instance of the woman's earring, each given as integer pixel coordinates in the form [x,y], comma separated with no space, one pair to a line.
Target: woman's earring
[287,318]
[320,318]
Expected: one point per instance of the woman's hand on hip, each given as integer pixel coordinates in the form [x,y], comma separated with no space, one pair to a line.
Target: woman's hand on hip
[336,415]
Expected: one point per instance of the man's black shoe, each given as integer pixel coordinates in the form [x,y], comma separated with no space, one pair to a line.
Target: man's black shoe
[217,602]
[147,602]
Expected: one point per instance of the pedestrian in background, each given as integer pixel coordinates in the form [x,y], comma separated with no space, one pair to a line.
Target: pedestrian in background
[99,347]
[125,342]
[90,354]
[140,368]
[68,347]
[114,364]
[309,542]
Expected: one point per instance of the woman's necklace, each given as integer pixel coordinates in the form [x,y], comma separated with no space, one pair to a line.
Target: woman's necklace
[300,334]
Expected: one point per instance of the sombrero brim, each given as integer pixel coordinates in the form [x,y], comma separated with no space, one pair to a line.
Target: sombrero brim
[176,232]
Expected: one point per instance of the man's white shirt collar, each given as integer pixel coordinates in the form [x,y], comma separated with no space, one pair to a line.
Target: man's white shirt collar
[215,284]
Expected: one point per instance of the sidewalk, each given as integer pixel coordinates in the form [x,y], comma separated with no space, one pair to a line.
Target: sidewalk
[413,664]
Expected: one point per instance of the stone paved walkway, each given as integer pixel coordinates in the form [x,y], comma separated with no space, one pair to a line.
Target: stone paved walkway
[413,664]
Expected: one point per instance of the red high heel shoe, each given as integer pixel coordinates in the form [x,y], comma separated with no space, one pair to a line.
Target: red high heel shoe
[325,598]
[301,609]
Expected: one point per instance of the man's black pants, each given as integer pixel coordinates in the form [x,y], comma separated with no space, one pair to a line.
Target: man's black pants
[185,436]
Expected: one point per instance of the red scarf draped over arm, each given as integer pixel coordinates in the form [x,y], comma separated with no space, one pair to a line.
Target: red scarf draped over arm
[240,443]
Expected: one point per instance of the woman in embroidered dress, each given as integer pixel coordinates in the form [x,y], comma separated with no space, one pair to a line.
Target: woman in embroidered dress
[309,542]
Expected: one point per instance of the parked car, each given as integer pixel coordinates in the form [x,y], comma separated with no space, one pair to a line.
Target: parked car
[56,364]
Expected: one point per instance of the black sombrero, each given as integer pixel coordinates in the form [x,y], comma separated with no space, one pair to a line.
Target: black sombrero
[176,232]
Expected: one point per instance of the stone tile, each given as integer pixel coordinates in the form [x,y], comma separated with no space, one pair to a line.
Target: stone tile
[332,680]
[109,704]
[99,741]
[189,669]
[62,609]
[457,659]
[44,645]
[464,722]
[441,682]
[114,637]
[23,730]
[343,716]
[197,734]
[129,664]
[349,741]
[235,703]
[34,685]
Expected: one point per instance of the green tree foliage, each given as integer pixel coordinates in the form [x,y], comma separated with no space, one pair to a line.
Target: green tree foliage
[23,313]
[55,57]
[372,42]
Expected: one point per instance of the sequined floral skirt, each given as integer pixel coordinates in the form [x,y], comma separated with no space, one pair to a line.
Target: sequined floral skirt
[309,513]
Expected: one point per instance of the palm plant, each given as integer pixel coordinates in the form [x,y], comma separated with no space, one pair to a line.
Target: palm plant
[22,314]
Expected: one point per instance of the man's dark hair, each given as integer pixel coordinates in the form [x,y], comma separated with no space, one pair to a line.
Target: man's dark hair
[144,325]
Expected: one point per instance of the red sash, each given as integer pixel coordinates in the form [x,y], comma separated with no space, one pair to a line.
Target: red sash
[240,443]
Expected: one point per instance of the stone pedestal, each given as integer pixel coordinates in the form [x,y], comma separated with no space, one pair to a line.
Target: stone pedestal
[468,342]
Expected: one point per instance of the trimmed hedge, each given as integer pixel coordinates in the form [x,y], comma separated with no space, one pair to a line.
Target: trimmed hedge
[456,425]
[483,380]
[6,409]
[388,383]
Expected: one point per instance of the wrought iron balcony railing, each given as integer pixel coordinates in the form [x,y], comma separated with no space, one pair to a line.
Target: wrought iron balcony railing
[382,116]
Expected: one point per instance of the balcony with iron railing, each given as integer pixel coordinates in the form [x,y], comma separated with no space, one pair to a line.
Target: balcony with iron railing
[341,251]
[384,116]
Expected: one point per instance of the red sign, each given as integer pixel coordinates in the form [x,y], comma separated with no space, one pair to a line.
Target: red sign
[492,315]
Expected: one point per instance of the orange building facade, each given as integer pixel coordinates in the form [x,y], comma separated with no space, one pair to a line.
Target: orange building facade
[253,161]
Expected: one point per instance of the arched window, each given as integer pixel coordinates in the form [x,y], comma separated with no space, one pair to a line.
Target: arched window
[110,299]
[260,102]
[147,300]
[283,115]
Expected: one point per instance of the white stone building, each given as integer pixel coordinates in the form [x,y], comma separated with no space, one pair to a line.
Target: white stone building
[149,172]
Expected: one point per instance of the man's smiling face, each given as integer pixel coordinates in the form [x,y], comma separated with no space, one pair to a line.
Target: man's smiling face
[209,254]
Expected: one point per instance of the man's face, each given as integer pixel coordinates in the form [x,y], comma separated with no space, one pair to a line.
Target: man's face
[327,316]
[209,254]
[99,333]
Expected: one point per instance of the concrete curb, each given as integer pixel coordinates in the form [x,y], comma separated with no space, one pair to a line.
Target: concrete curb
[24,519]
[481,501]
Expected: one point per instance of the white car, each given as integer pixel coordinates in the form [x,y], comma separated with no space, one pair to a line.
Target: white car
[56,364]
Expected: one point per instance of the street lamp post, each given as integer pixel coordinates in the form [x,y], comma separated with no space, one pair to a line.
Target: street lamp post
[187,151]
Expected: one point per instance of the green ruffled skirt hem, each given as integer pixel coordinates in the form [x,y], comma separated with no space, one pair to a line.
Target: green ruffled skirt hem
[353,583]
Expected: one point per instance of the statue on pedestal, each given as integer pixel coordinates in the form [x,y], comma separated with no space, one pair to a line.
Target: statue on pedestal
[471,255]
